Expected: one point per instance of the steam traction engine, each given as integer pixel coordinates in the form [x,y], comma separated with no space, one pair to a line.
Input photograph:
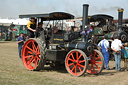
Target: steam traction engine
[62,48]
[103,25]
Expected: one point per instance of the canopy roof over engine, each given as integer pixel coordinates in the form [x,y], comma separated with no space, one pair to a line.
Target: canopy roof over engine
[98,17]
[49,16]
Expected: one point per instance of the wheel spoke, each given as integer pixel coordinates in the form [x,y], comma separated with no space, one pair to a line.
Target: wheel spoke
[97,58]
[97,66]
[29,48]
[73,68]
[31,60]
[37,49]
[28,56]
[79,68]
[35,62]
[81,65]
[30,52]
[70,64]
[34,47]
[94,54]
[81,61]
[76,55]
[72,57]
[38,58]
[91,66]
[88,70]
[38,53]
[98,62]
[79,56]
[93,69]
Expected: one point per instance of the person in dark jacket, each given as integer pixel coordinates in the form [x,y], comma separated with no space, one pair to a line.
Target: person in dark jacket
[39,29]
[20,41]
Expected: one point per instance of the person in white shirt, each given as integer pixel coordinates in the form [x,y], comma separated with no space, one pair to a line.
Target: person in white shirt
[104,45]
[116,47]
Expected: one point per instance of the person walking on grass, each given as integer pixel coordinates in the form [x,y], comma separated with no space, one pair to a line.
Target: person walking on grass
[104,45]
[116,47]
[20,41]
[125,53]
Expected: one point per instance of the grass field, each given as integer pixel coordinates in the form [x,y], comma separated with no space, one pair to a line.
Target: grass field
[12,72]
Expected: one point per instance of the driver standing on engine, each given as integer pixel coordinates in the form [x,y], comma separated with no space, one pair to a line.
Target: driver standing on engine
[31,28]
[39,29]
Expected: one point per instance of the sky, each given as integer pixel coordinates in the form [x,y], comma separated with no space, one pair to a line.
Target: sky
[14,8]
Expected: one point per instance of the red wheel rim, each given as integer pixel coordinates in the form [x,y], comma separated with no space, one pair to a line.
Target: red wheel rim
[30,54]
[95,63]
[75,63]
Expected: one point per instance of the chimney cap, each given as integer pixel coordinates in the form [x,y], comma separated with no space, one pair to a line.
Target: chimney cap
[120,10]
[85,5]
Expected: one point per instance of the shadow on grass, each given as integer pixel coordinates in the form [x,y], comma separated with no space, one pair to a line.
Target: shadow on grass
[100,74]
[103,73]
[107,73]
[61,70]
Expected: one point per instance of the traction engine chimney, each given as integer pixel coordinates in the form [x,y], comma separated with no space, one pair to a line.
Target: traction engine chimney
[120,18]
[85,20]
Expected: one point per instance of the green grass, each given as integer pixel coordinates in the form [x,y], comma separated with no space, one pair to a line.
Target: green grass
[13,72]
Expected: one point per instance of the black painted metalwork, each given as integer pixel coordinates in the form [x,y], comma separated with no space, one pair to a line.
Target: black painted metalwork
[120,18]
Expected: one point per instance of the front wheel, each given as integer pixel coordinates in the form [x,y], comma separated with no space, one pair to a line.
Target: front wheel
[76,62]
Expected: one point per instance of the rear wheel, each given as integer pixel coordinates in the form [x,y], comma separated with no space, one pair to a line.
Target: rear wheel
[32,55]
[95,62]
[76,62]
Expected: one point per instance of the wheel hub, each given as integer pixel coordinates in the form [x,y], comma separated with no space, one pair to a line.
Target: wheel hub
[75,62]
[34,54]
[92,61]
